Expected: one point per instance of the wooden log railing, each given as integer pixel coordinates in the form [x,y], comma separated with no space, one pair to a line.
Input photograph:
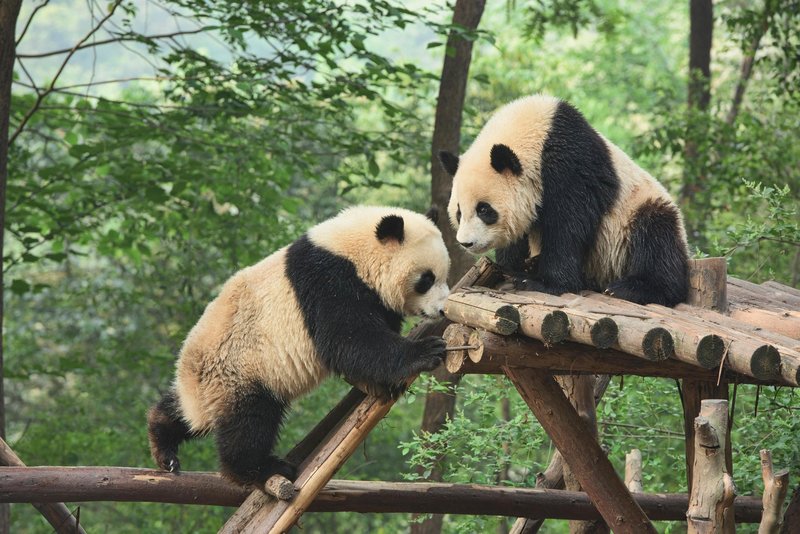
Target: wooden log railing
[129,484]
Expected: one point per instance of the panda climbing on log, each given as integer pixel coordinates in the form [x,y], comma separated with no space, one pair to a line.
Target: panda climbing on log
[331,302]
[565,208]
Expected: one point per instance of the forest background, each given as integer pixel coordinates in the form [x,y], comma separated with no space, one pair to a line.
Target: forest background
[157,146]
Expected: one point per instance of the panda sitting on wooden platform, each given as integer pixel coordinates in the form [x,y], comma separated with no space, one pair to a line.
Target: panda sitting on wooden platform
[331,302]
[539,181]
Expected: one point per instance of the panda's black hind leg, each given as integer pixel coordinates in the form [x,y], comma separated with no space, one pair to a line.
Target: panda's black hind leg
[166,430]
[658,266]
[246,436]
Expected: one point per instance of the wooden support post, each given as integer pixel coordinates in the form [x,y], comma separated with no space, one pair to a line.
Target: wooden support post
[708,284]
[713,490]
[587,460]
[776,485]
[791,518]
[633,471]
[56,513]
[708,289]
[579,390]
[553,475]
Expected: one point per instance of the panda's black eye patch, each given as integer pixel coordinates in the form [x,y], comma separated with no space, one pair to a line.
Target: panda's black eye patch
[458,213]
[425,282]
[486,213]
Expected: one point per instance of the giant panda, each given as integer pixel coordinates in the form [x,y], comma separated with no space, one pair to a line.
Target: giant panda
[331,302]
[539,181]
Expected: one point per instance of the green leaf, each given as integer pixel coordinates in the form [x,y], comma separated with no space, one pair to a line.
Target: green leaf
[19,287]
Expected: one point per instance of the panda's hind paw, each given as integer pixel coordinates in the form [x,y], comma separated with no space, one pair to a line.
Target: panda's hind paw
[283,468]
[167,461]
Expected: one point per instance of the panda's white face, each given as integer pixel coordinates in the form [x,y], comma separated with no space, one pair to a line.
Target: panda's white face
[397,252]
[478,231]
[428,295]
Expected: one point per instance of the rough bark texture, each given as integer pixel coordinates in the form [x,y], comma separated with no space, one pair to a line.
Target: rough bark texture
[708,284]
[447,124]
[713,489]
[585,457]
[701,25]
[776,485]
[9,11]
[633,471]
[792,516]
[707,290]
[701,20]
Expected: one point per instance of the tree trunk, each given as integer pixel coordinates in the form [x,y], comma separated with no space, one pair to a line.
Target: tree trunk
[701,24]
[447,125]
[9,11]
[446,136]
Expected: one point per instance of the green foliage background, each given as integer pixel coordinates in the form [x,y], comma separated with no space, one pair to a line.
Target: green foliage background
[130,203]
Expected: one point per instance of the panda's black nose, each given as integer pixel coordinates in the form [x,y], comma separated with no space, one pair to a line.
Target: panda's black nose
[466,245]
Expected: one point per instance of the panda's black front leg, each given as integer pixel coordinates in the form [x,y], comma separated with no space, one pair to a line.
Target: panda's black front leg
[555,271]
[381,360]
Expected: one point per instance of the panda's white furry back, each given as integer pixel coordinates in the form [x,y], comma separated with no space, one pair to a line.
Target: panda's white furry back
[331,302]
[539,181]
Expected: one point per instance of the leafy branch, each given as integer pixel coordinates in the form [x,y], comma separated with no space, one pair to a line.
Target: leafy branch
[42,95]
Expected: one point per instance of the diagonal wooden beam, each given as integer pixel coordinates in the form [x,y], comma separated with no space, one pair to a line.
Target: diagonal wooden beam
[587,460]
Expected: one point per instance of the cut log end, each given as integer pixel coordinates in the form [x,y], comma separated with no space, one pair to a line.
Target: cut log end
[766,363]
[710,351]
[658,345]
[604,333]
[280,487]
[475,354]
[507,320]
[555,327]
[456,336]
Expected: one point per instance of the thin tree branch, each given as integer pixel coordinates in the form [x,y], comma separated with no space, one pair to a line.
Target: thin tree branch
[747,64]
[28,23]
[50,89]
[28,74]
[117,39]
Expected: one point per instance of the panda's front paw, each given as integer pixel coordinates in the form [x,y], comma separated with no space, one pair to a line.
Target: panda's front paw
[430,353]
[533,284]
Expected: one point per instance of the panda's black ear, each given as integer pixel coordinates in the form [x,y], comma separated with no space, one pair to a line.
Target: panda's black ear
[390,228]
[504,158]
[449,162]
[433,214]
